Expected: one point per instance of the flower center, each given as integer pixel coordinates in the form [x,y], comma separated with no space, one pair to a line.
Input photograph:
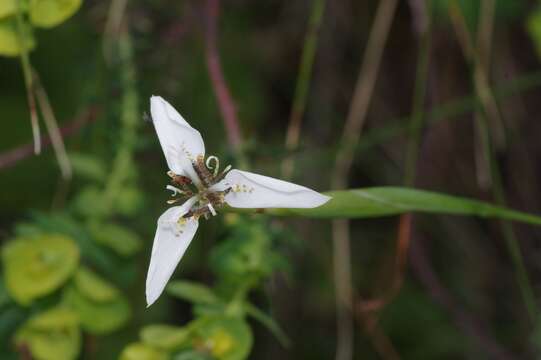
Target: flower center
[208,200]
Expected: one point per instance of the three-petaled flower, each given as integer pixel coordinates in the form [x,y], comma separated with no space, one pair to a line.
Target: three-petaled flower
[204,189]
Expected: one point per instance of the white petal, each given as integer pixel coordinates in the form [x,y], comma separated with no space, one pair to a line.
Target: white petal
[249,190]
[181,143]
[170,242]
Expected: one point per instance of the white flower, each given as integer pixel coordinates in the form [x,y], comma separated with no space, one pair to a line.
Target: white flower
[204,189]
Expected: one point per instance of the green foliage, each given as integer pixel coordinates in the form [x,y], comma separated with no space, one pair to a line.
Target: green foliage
[226,338]
[10,39]
[36,266]
[118,238]
[7,8]
[139,351]
[165,337]
[98,316]
[246,255]
[193,292]
[533,25]
[88,167]
[40,13]
[51,335]
[50,13]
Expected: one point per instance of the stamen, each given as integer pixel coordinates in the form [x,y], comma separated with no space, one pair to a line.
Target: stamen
[171,174]
[223,173]
[216,166]
[211,208]
[175,190]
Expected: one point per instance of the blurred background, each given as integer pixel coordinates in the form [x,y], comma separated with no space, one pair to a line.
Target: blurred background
[434,94]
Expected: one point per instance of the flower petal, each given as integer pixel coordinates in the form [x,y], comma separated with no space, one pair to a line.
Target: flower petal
[181,143]
[170,242]
[249,190]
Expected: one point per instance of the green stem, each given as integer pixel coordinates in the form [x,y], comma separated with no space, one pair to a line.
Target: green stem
[417,118]
[303,84]
[28,78]
[123,160]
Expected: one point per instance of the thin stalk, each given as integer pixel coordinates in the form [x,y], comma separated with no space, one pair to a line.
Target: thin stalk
[421,78]
[489,105]
[352,129]
[219,84]
[129,120]
[28,80]
[52,128]
[303,84]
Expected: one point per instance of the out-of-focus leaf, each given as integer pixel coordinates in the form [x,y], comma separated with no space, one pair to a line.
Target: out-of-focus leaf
[51,335]
[128,201]
[226,338]
[88,166]
[7,8]
[140,351]
[165,337]
[90,202]
[192,355]
[10,43]
[94,287]
[101,258]
[36,266]
[246,254]
[385,201]
[193,292]
[49,13]
[269,323]
[123,241]
[534,28]
[98,317]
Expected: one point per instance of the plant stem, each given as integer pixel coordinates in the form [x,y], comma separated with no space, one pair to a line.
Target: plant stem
[488,102]
[352,129]
[28,79]
[221,89]
[303,84]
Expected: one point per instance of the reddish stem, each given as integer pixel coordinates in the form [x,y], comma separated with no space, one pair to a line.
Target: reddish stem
[221,90]
[11,157]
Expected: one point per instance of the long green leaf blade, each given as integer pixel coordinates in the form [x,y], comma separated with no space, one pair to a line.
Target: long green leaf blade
[386,201]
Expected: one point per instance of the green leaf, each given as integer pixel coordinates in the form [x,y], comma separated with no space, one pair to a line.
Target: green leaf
[533,25]
[49,13]
[246,255]
[120,239]
[10,44]
[36,266]
[192,355]
[192,292]
[269,323]
[140,351]
[51,335]
[226,338]
[8,8]
[90,202]
[385,201]
[94,287]
[88,166]
[98,317]
[165,337]
[128,201]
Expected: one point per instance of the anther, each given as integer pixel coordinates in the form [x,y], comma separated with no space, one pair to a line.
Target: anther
[211,208]
[216,166]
